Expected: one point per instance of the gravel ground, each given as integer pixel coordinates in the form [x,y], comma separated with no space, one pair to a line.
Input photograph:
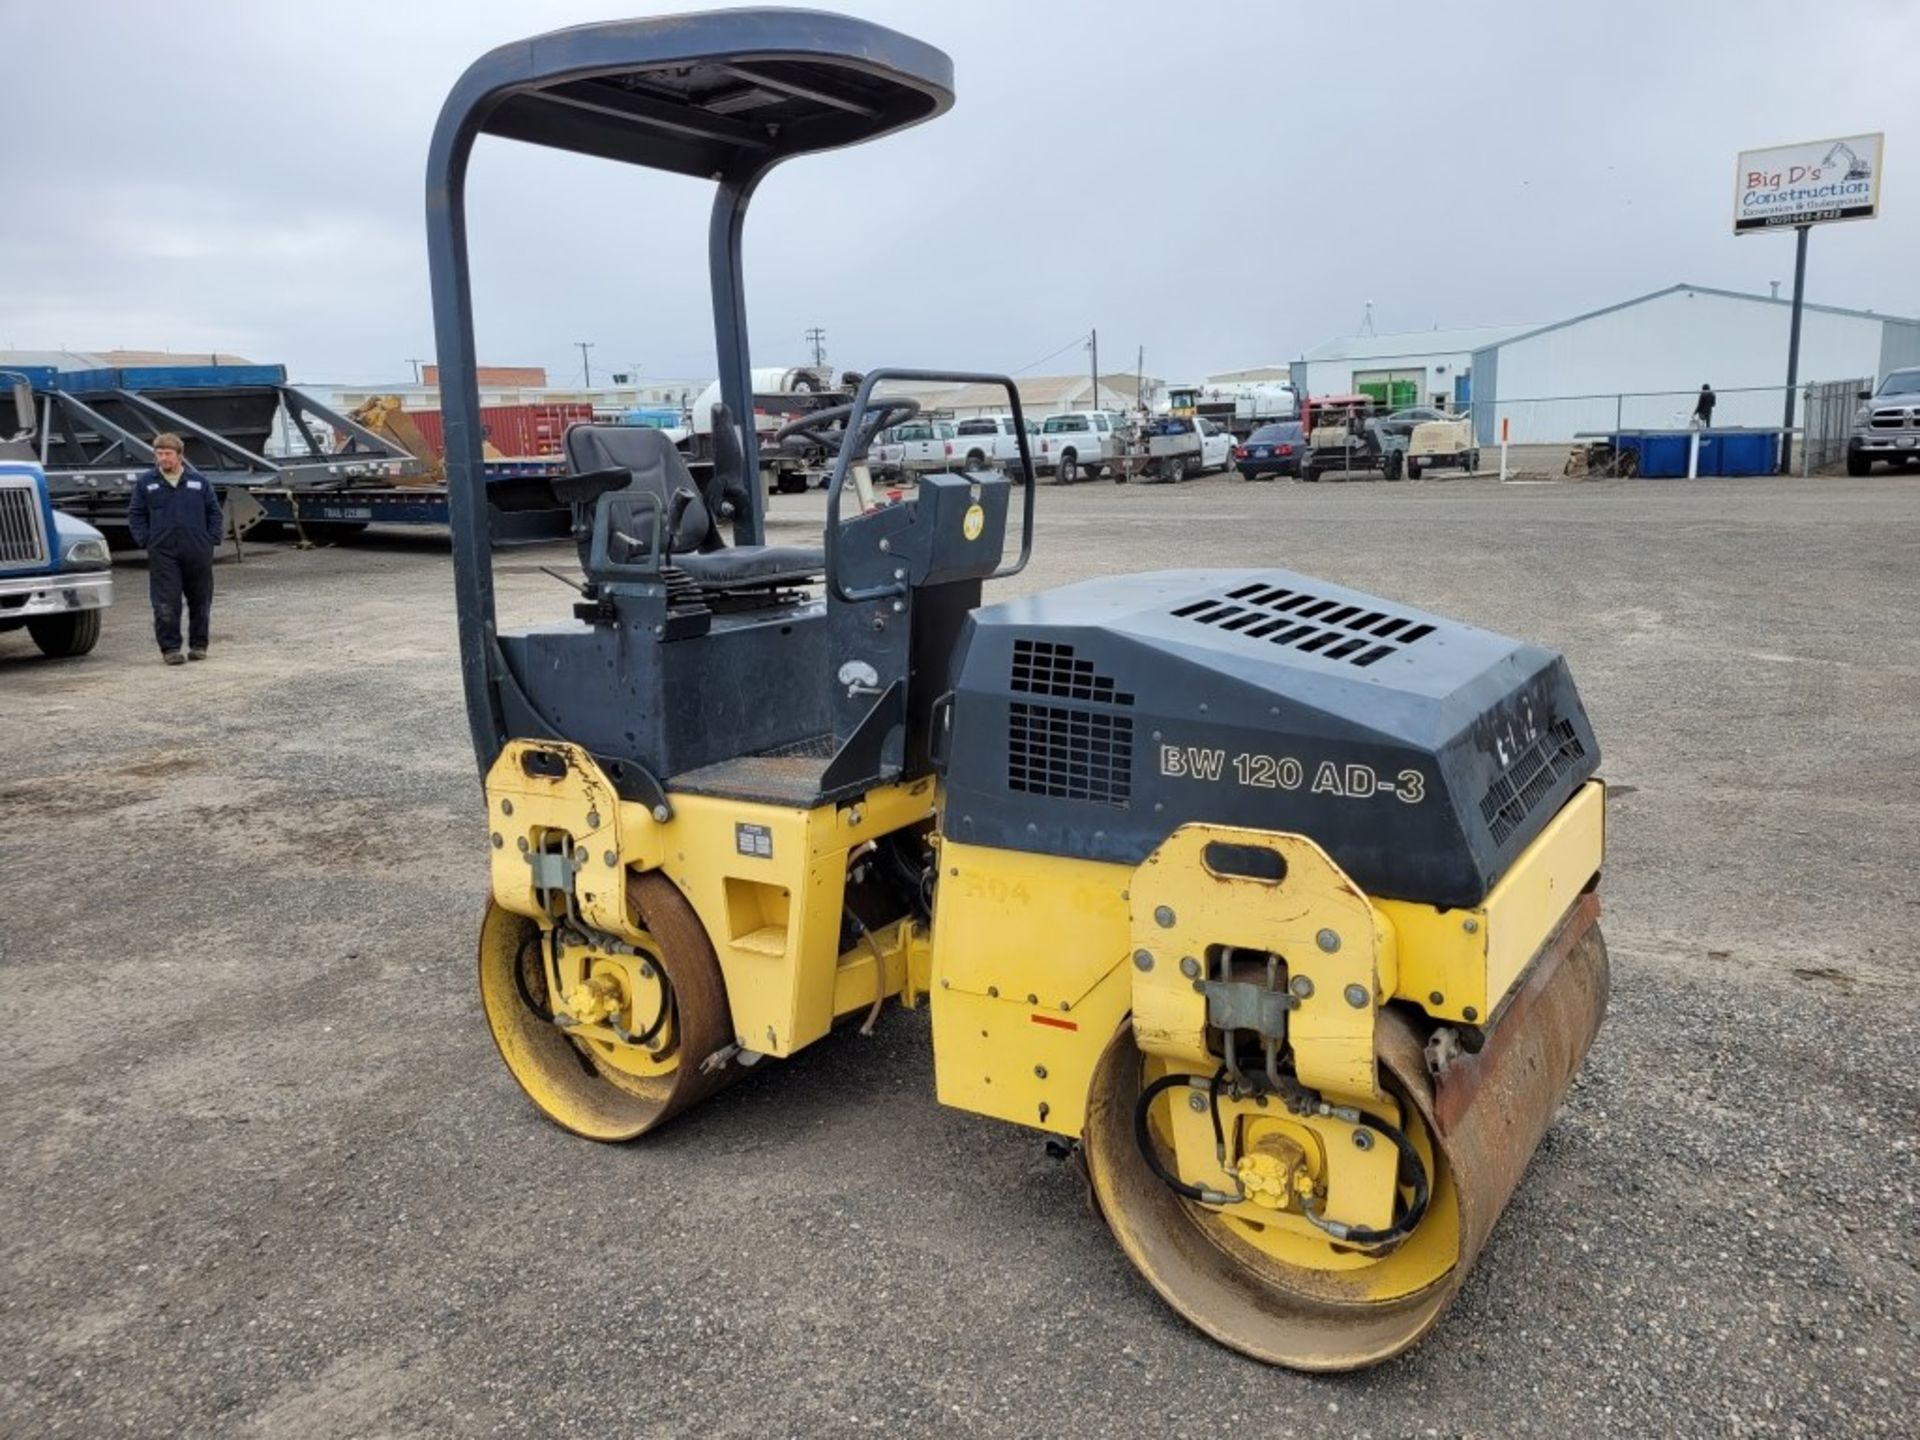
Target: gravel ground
[265,1174]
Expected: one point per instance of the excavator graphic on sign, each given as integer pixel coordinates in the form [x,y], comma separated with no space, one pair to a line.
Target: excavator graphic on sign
[1857,169]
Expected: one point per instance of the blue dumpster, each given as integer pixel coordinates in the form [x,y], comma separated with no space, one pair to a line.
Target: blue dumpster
[1747,455]
[1664,456]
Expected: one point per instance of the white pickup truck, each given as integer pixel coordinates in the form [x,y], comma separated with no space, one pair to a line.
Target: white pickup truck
[1077,443]
[919,447]
[990,440]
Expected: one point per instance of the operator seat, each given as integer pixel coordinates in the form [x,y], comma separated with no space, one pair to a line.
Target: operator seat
[693,540]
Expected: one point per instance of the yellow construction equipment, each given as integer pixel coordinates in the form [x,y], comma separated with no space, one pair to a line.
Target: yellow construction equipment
[387,417]
[1273,901]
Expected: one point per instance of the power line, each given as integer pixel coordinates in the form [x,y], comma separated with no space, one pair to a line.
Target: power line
[1077,340]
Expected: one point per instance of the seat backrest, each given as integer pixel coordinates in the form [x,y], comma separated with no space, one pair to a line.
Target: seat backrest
[656,466]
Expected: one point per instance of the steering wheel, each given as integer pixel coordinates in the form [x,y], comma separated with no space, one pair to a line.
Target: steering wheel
[882,414]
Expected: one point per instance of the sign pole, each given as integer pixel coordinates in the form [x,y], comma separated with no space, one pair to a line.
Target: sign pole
[1793,345]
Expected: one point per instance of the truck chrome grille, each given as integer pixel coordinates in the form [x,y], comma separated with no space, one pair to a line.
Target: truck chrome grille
[1556,751]
[23,533]
[1332,629]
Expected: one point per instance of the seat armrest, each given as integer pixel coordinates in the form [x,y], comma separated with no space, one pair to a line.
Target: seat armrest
[587,488]
[601,565]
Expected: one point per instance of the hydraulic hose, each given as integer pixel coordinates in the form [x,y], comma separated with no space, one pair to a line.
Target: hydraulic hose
[1143,1136]
[1361,1235]
[879,974]
[1410,1159]
[545,1012]
[531,943]
[645,1037]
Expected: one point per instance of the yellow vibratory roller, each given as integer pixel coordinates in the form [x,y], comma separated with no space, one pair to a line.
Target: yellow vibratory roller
[1273,900]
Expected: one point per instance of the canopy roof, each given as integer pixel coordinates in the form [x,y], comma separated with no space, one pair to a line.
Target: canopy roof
[723,93]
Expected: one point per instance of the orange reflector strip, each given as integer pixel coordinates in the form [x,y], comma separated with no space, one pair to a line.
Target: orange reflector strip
[1057,1024]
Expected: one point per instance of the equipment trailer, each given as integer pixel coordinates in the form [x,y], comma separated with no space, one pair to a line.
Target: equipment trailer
[275,453]
[1274,900]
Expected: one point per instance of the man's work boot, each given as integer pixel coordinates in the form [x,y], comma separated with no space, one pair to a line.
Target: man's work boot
[196,654]
[174,657]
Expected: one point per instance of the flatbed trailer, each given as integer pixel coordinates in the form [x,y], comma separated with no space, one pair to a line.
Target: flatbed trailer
[1155,452]
[97,429]
[519,493]
[273,451]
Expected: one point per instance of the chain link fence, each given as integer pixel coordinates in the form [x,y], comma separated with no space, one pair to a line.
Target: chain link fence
[1559,419]
[1825,413]
[1828,417]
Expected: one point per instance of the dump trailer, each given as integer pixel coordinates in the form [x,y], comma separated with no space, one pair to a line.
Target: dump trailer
[1272,901]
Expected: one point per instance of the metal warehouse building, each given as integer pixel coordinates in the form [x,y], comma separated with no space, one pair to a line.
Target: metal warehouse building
[1639,364]
[1421,367]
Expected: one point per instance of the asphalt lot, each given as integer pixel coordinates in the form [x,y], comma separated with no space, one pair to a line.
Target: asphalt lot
[265,1174]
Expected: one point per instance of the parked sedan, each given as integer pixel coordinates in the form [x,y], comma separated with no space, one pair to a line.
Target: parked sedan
[1272,450]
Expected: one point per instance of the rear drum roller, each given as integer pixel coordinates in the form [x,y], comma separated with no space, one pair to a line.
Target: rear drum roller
[1289,1295]
[585,1078]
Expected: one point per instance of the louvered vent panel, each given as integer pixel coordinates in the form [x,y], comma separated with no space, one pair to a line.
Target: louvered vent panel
[1067,752]
[1530,779]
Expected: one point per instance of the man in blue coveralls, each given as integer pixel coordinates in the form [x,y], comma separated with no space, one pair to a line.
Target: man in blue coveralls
[175,517]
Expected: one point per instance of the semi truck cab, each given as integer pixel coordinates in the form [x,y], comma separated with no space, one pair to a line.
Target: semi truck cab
[56,575]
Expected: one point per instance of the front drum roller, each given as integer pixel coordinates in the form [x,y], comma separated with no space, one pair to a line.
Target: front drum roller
[573,1082]
[1484,1118]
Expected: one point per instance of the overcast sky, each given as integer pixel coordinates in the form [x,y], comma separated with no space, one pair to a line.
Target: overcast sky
[1225,184]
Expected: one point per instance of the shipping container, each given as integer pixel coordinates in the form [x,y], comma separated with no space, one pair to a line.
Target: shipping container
[517,431]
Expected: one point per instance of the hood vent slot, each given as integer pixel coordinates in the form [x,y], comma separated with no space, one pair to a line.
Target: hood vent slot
[1303,621]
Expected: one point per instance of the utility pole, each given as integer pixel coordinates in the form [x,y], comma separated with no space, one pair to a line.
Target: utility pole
[1140,379]
[1793,346]
[416,363]
[817,338]
[1093,344]
[586,364]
